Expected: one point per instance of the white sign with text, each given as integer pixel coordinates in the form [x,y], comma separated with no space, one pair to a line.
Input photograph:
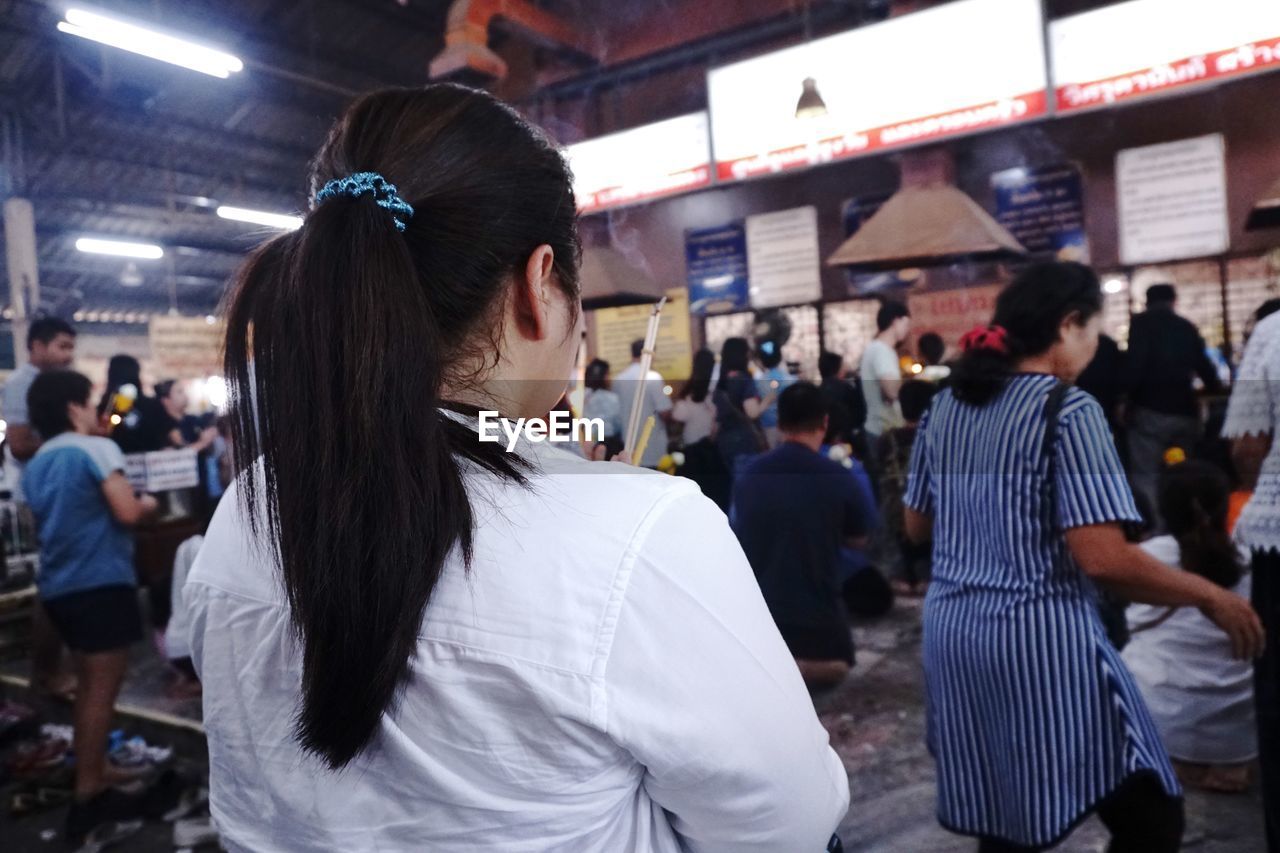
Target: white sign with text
[1172,200]
[783,264]
[957,68]
[641,164]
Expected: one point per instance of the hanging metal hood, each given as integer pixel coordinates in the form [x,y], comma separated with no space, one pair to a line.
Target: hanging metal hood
[929,222]
[1266,210]
[610,280]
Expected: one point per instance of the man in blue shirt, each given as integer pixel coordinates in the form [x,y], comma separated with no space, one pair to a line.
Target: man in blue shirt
[793,509]
[770,383]
[83,507]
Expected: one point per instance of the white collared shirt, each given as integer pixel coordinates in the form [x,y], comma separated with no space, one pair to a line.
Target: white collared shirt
[606,678]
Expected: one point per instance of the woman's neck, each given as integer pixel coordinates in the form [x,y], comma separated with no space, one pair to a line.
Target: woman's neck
[1035,364]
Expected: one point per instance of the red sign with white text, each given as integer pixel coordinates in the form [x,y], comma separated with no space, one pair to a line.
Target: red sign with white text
[956,68]
[641,164]
[981,117]
[1140,48]
[1256,56]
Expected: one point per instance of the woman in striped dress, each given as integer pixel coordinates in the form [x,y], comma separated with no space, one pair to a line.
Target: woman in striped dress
[1033,720]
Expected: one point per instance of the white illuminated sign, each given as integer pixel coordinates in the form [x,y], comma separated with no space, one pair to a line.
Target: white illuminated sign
[1146,47]
[641,164]
[959,68]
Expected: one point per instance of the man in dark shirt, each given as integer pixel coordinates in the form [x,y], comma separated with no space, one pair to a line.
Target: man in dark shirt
[1103,379]
[792,510]
[1165,353]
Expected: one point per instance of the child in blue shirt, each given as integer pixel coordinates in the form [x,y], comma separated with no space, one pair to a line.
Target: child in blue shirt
[83,507]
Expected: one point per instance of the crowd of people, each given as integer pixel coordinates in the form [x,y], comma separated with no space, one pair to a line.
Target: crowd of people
[1104,536]
[409,639]
[67,468]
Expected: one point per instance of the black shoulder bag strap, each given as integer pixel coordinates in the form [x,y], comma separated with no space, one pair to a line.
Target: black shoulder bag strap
[1052,408]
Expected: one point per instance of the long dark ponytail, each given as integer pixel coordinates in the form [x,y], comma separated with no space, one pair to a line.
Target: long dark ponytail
[342,340]
[1030,310]
[699,384]
[1194,499]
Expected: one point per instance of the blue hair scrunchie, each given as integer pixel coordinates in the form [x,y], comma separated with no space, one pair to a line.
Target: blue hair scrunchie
[383,192]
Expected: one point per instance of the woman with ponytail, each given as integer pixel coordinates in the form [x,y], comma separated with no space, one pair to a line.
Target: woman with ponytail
[1032,717]
[1201,698]
[413,639]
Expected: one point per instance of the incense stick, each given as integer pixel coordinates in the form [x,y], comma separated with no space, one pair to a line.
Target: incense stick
[638,454]
[646,360]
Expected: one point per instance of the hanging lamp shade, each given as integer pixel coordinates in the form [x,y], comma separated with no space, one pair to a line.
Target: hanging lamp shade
[810,104]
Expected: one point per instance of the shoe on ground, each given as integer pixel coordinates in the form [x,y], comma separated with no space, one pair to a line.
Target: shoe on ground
[192,800]
[99,813]
[193,832]
[109,833]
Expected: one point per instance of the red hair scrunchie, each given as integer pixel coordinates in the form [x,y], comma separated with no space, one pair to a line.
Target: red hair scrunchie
[986,339]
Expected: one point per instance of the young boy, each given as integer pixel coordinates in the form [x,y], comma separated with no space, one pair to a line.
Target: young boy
[83,507]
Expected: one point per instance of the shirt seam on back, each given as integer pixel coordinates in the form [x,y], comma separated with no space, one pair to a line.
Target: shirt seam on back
[607,629]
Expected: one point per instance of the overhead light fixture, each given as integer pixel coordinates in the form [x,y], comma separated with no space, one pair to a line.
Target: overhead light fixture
[810,104]
[1113,285]
[140,40]
[283,221]
[119,248]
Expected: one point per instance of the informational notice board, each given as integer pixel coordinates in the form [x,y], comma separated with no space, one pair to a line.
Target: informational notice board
[162,471]
[783,263]
[616,328]
[716,268]
[1044,209]
[186,347]
[1172,200]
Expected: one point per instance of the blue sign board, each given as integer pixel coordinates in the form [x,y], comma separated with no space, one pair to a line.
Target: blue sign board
[716,265]
[853,213]
[1043,208]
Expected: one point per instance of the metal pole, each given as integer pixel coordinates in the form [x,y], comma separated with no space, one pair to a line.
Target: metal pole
[24,280]
[1228,351]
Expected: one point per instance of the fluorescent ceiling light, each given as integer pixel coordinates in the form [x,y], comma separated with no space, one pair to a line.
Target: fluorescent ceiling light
[283,221]
[119,248]
[136,39]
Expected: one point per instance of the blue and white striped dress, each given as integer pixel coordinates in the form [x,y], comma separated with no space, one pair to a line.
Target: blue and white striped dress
[1032,716]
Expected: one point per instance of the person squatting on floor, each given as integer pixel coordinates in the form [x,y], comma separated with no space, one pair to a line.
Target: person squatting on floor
[793,509]
[1200,697]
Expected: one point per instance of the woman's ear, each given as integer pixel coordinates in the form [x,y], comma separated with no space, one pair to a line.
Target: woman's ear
[532,295]
[1072,322]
